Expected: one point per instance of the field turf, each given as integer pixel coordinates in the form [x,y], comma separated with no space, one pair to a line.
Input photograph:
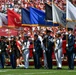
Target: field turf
[42,71]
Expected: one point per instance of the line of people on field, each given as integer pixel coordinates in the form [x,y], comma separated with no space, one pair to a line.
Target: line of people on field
[11,48]
[50,43]
[42,45]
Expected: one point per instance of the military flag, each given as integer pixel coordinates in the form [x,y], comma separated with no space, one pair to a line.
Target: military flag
[37,17]
[14,19]
[3,20]
[48,12]
[59,16]
[25,17]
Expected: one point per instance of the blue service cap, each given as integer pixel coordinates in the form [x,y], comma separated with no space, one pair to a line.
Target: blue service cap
[48,31]
[25,35]
[35,35]
[70,29]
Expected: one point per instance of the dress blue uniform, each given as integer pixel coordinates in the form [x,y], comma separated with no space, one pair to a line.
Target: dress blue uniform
[70,51]
[36,51]
[48,44]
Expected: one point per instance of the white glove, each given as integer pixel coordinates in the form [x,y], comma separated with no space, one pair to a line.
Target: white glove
[66,33]
[33,50]
[7,45]
[43,51]
[0,50]
[10,50]
[6,49]
[54,40]
[66,45]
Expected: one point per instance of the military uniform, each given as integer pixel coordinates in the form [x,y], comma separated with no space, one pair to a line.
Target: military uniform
[70,50]
[48,44]
[36,52]
[13,53]
[58,51]
[25,50]
[2,51]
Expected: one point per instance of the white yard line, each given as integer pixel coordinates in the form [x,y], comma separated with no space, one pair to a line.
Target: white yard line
[39,73]
[32,73]
[72,71]
[1,71]
[9,74]
[4,70]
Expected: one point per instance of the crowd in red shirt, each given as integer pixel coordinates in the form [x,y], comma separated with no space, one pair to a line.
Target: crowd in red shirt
[39,4]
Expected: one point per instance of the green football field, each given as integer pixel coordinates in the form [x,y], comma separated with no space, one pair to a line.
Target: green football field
[32,71]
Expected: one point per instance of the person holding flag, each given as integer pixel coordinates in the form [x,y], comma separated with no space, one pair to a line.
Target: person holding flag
[25,50]
[36,51]
[48,44]
[2,51]
[58,50]
[70,49]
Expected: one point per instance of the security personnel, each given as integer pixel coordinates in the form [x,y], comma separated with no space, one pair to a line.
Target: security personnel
[2,51]
[70,48]
[36,51]
[48,44]
[25,50]
[13,52]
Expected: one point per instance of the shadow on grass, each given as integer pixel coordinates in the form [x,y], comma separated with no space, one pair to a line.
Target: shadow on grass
[42,68]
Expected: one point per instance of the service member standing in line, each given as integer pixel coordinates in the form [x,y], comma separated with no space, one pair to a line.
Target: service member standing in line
[58,50]
[70,48]
[36,52]
[13,52]
[25,50]
[48,44]
[2,51]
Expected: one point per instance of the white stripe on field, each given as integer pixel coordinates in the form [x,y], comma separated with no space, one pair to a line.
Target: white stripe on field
[3,70]
[38,73]
[72,71]
[32,73]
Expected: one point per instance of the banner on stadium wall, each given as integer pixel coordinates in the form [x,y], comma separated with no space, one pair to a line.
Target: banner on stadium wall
[8,32]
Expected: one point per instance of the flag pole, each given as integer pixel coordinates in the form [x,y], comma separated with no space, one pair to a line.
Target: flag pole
[66,31]
[66,36]
[32,33]
[9,39]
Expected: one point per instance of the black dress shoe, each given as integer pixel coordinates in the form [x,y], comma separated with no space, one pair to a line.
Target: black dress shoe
[71,68]
[59,68]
